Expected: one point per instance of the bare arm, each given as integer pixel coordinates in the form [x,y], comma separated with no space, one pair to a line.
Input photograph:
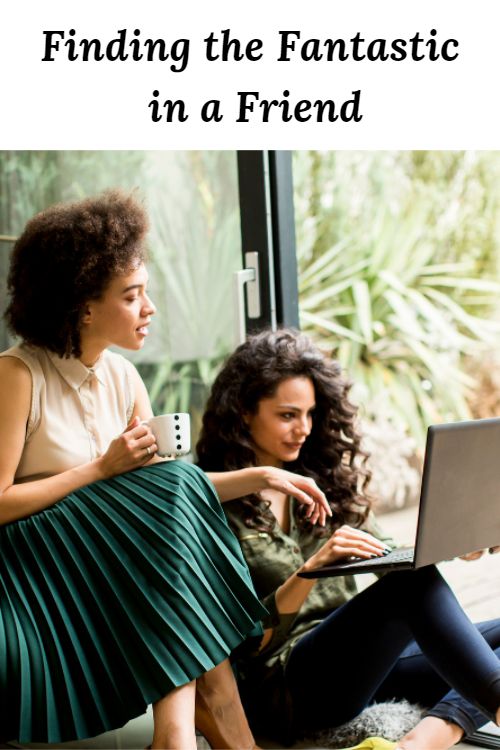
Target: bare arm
[344,542]
[126,452]
[233,484]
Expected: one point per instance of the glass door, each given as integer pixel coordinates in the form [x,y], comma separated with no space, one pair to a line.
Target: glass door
[195,253]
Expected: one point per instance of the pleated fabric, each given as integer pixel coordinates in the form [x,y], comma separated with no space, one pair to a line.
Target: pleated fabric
[109,599]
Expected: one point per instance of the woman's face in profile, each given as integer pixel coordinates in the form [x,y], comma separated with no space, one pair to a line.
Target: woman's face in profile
[122,315]
[282,422]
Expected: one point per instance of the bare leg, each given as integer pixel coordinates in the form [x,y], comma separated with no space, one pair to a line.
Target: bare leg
[219,715]
[174,720]
[432,734]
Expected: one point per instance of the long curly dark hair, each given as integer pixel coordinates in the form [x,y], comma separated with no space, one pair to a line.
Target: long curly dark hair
[331,455]
[67,256]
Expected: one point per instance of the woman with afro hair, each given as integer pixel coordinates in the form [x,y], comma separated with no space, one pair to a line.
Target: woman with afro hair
[328,651]
[120,582]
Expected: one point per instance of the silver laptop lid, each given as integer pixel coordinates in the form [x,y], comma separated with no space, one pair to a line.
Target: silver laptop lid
[460,496]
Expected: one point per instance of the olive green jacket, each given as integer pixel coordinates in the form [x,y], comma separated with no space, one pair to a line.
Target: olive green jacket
[272,559]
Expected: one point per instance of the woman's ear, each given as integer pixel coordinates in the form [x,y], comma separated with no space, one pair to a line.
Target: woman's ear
[86,314]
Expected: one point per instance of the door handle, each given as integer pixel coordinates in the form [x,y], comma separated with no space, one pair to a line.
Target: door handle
[248,277]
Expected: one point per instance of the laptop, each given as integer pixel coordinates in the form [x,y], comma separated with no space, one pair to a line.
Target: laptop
[459,508]
[486,736]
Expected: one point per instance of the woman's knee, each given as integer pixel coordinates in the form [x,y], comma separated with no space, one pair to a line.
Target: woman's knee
[411,584]
[490,630]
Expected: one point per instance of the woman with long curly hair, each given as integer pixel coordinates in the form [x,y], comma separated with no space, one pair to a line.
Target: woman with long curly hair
[121,584]
[328,651]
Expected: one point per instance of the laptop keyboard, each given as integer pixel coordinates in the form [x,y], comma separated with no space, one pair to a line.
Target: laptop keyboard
[397,556]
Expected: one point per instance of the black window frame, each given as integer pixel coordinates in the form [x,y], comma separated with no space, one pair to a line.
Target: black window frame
[265,180]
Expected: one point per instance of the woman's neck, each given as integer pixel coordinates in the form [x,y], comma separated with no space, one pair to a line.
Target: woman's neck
[279,507]
[266,459]
[91,351]
[90,359]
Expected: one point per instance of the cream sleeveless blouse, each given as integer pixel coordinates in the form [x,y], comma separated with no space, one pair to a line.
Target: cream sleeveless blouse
[76,411]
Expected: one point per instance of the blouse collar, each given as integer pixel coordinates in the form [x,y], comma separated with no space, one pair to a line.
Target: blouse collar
[74,372]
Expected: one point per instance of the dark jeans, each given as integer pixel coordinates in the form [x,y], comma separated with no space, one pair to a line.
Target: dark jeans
[406,636]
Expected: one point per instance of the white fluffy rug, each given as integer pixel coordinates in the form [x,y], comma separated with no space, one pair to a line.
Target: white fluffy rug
[390,720]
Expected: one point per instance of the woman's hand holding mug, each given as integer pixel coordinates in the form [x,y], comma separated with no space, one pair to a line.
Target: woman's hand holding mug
[130,450]
[165,435]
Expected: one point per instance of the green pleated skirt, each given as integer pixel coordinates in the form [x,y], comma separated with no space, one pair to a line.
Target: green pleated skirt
[122,591]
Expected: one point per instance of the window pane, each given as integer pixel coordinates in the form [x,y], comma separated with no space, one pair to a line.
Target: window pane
[194,247]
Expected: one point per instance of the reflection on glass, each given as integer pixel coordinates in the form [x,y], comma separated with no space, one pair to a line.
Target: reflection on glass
[194,246]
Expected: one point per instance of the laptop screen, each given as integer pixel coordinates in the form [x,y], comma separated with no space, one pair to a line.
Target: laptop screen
[460,497]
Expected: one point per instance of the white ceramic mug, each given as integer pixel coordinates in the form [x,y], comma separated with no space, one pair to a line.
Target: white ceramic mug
[172,433]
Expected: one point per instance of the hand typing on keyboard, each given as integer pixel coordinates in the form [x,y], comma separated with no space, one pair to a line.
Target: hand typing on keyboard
[405,554]
[347,542]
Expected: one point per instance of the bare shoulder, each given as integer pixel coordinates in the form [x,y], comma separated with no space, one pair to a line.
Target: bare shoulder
[15,404]
[14,370]
[15,388]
